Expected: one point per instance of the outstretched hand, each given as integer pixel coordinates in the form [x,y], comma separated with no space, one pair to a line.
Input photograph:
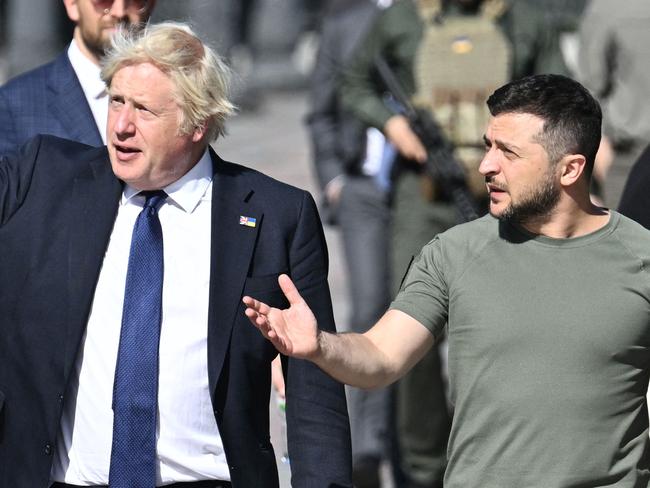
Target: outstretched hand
[293,331]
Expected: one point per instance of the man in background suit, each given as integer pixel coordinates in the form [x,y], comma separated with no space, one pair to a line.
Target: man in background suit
[348,164]
[66,97]
[162,381]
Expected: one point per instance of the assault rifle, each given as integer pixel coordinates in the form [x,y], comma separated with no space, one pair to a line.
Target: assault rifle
[441,164]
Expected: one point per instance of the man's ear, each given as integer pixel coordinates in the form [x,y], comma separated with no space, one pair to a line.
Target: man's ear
[199,132]
[72,9]
[572,166]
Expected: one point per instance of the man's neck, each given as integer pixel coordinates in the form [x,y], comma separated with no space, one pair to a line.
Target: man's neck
[85,50]
[569,218]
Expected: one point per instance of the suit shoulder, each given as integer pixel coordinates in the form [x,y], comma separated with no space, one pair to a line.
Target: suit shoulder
[64,150]
[261,183]
[29,80]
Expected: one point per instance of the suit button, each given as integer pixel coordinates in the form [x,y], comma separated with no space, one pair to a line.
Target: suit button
[60,399]
[47,449]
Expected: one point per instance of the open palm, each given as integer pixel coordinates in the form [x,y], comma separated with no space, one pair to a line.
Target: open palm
[293,331]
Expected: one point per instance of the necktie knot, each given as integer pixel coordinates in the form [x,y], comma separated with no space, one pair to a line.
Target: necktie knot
[153,198]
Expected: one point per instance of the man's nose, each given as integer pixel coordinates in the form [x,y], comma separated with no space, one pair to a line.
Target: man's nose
[118,8]
[124,124]
[489,164]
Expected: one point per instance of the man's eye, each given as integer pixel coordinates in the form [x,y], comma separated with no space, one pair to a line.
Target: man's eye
[143,110]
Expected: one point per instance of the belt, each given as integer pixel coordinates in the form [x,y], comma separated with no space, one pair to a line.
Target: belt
[187,484]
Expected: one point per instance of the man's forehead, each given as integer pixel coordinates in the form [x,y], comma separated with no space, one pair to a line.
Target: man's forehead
[142,80]
[514,124]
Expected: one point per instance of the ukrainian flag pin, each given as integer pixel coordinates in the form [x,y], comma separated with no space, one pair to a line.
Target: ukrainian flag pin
[247,221]
[462,45]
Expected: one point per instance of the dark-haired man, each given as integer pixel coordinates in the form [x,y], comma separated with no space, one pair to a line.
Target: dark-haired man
[67,98]
[547,303]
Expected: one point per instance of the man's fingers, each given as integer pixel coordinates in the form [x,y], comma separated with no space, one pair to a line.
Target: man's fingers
[256,305]
[289,289]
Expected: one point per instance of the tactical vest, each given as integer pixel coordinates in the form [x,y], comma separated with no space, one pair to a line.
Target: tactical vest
[460,61]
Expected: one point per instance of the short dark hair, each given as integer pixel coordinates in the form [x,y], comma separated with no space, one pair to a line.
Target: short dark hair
[572,117]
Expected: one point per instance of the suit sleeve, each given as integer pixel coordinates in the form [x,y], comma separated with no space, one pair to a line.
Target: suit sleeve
[16,172]
[317,421]
[8,136]
[635,201]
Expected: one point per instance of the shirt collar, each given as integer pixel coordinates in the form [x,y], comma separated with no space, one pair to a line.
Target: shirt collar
[187,191]
[87,72]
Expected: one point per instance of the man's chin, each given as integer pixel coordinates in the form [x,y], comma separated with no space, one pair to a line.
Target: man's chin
[498,211]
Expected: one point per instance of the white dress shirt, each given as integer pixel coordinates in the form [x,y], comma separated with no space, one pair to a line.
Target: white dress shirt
[189,446]
[92,85]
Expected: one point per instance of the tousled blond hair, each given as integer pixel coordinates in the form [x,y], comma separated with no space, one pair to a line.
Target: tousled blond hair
[201,78]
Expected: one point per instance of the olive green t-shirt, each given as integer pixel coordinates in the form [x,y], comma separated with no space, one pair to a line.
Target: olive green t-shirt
[548,352]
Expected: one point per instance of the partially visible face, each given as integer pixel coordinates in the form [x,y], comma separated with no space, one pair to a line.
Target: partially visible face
[94,26]
[521,181]
[145,145]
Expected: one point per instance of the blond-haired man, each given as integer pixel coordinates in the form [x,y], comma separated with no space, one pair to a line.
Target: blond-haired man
[127,359]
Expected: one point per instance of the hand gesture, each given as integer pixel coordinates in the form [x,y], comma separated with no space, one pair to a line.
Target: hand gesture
[293,331]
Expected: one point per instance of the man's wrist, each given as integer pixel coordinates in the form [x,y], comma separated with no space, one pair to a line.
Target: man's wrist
[323,343]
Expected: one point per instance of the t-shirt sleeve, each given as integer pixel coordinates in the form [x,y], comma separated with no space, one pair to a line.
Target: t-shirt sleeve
[424,292]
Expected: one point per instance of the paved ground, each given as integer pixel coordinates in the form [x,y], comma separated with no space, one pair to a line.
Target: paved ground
[274,141]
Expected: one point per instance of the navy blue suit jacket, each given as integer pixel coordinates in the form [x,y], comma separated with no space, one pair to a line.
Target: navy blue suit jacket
[46,100]
[58,202]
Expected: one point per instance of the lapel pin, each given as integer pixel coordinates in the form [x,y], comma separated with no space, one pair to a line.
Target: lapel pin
[247,221]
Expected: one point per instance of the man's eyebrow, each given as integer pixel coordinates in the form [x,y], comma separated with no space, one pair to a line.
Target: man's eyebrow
[501,144]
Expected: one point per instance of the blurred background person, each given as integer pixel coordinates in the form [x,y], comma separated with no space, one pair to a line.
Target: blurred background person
[614,64]
[347,157]
[448,56]
[263,40]
[544,36]
[635,202]
[67,97]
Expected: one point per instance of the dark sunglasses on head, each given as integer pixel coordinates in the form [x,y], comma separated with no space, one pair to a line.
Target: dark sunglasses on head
[106,5]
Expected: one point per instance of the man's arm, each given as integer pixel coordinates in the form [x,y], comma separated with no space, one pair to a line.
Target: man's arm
[635,201]
[8,136]
[394,36]
[16,170]
[373,359]
[318,433]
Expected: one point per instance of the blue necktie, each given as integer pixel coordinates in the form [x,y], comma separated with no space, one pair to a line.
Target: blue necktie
[135,394]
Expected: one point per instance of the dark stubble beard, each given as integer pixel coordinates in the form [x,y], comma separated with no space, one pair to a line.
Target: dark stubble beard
[536,205]
[99,46]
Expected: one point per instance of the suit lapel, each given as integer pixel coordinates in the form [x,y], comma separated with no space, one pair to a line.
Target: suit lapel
[95,198]
[66,93]
[231,253]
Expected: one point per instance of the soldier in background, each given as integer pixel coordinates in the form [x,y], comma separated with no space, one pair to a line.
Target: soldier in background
[544,36]
[449,56]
